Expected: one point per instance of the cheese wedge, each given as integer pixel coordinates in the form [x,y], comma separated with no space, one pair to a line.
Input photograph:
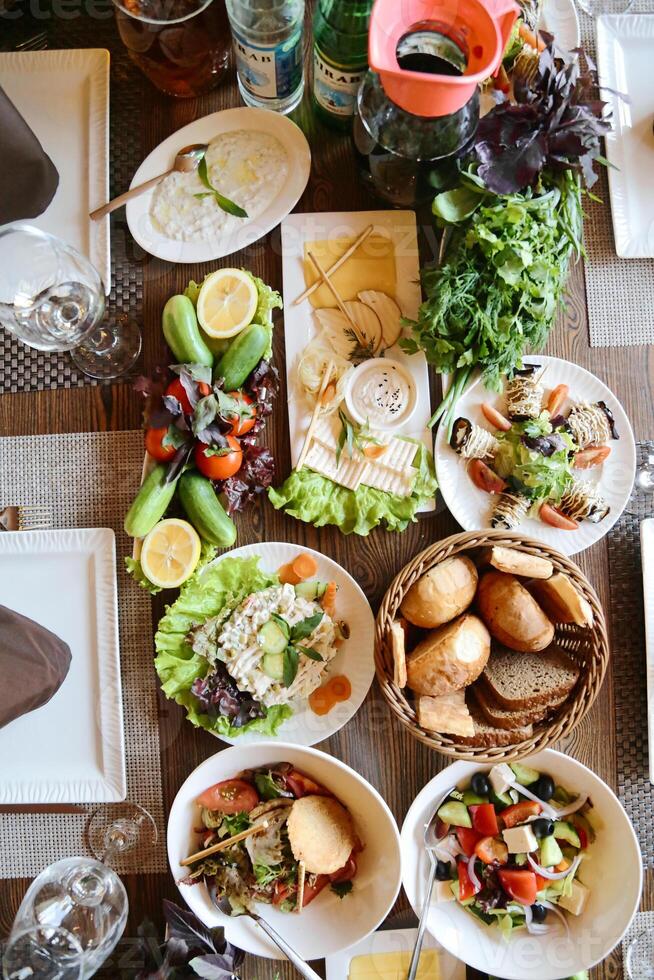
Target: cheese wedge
[372,264]
[394,966]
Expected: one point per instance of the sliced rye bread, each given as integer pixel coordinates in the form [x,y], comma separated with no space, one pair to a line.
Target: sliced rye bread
[516,681]
[486,734]
[501,717]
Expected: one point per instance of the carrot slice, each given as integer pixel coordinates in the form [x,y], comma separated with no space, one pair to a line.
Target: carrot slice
[328,601]
[304,566]
[530,38]
[321,701]
[340,688]
[287,575]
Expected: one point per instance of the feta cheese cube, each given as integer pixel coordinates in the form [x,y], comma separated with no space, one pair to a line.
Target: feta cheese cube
[576,901]
[442,892]
[520,839]
[501,778]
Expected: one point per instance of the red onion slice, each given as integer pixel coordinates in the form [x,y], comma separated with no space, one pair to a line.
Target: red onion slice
[554,875]
[474,880]
[558,913]
[535,928]
[572,807]
[546,809]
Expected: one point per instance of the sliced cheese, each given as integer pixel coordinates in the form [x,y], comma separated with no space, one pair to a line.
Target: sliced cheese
[378,476]
[394,966]
[337,331]
[399,453]
[368,323]
[347,472]
[389,313]
[326,431]
[372,265]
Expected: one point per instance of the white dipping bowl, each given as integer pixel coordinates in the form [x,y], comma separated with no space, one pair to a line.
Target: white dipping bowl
[329,924]
[613,872]
[359,373]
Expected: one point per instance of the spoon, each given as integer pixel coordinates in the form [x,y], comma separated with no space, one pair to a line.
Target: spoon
[223,905]
[186,161]
[431,841]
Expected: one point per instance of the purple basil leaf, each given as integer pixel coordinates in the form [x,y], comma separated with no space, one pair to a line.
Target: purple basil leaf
[174,437]
[178,462]
[517,166]
[213,967]
[204,413]
[173,404]
[212,435]
[183,924]
[160,417]
[198,372]
[255,475]
[262,385]
[190,387]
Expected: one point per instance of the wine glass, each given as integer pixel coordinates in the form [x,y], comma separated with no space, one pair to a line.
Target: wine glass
[52,298]
[82,897]
[121,835]
[42,953]
[640,956]
[641,502]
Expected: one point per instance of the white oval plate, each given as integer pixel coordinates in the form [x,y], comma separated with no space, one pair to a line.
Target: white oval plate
[355,658]
[203,131]
[330,923]
[613,873]
[472,507]
[560,18]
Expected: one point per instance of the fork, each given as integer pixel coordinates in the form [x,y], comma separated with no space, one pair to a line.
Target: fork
[36,43]
[30,517]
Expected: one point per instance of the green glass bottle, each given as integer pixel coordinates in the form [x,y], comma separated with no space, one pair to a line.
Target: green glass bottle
[340,58]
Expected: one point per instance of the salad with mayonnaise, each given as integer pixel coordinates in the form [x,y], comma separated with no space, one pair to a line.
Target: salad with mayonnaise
[512,847]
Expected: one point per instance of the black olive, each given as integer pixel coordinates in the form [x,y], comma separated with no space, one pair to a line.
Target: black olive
[443,870]
[539,913]
[543,827]
[479,784]
[544,788]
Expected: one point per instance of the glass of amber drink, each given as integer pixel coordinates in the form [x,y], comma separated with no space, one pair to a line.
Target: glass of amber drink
[182,46]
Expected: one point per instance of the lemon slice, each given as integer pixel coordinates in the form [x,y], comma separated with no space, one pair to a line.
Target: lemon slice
[227,302]
[170,553]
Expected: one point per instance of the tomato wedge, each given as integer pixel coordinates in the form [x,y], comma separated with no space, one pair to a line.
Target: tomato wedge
[556,518]
[468,840]
[466,887]
[230,796]
[519,813]
[495,418]
[302,785]
[520,885]
[557,397]
[154,444]
[311,889]
[491,850]
[484,819]
[591,456]
[483,477]
[347,872]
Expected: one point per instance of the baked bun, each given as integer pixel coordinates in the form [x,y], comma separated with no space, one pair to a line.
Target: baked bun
[442,593]
[512,615]
[449,657]
[321,834]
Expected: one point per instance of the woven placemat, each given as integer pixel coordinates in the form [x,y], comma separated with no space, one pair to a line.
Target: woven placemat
[629,673]
[88,480]
[26,369]
[618,291]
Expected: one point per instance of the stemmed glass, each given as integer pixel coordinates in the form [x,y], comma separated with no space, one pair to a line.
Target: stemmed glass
[52,298]
[641,502]
[42,953]
[640,956]
[121,834]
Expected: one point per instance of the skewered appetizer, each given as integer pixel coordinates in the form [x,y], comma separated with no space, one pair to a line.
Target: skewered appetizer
[532,458]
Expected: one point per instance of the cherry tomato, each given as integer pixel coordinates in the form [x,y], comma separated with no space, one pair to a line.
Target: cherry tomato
[302,785]
[483,477]
[230,796]
[177,390]
[219,467]
[313,889]
[491,850]
[466,887]
[495,418]
[519,813]
[153,444]
[520,885]
[467,839]
[347,872]
[243,423]
[556,518]
[484,819]
[557,397]
[591,456]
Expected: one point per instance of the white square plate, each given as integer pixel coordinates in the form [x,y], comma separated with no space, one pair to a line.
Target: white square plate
[625,44]
[72,749]
[391,941]
[64,98]
[647,554]
[300,326]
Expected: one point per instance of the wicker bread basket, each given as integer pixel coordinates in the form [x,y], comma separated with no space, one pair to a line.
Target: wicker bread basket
[588,647]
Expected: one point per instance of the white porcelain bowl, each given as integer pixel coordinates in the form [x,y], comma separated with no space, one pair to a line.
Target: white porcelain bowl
[329,923]
[613,873]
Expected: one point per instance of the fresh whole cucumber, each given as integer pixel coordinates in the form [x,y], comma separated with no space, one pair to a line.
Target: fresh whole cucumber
[204,510]
[242,356]
[150,503]
[182,333]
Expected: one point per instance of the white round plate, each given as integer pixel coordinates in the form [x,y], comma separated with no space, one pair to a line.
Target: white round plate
[560,18]
[203,131]
[355,657]
[329,923]
[613,873]
[472,507]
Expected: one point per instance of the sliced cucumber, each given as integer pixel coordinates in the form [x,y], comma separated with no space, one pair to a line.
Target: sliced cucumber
[500,799]
[272,664]
[272,638]
[472,799]
[310,590]
[550,852]
[455,813]
[524,774]
[565,831]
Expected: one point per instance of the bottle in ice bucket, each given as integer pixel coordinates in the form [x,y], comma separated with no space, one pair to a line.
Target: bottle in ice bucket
[340,58]
[418,106]
[267,37]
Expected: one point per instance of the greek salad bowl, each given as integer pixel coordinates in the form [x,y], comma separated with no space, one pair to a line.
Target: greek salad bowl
[557,830]
[337,909]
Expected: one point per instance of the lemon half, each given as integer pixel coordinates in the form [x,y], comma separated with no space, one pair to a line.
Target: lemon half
[170,553]
[227,302]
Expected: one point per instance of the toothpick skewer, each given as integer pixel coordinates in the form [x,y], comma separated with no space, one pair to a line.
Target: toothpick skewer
[326,378]
[361,337]
[223,844]
[301,876]
[337,265]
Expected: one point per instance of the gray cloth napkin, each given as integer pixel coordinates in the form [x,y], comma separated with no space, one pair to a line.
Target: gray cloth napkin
[28,177]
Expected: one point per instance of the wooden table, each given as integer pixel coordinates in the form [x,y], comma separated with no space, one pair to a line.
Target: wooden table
[372,742]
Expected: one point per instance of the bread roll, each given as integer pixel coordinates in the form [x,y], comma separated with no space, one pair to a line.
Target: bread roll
[321,834]
[442,593]
[449,657]
[512,615]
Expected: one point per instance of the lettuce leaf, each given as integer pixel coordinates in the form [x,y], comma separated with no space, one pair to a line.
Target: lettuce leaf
[313,498]
[135,570]
[210,591]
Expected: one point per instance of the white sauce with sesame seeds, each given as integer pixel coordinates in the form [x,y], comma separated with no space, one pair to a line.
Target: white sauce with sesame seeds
[248,167]
[381,393]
